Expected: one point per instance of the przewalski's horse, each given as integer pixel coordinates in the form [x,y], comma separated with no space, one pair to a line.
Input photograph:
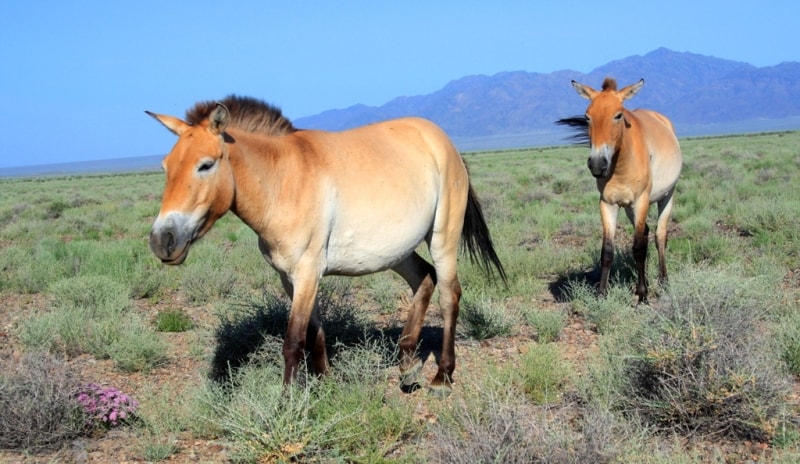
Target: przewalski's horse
[636,160]
[322,203]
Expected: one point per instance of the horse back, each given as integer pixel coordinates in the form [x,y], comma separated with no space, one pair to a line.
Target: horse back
[375,192]
[401,149]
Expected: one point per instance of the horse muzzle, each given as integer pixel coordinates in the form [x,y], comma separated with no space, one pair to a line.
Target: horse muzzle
[171,238]
[599,162]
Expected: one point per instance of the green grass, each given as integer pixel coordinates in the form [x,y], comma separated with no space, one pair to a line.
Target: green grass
[74,257]
[543,373]
[548,324]
[92,315]
[173,320]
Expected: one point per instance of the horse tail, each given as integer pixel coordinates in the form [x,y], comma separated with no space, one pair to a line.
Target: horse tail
[580,127]
[477,240]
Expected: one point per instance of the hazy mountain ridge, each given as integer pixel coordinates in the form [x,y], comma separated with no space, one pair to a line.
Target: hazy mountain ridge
[691,89]
[702,95]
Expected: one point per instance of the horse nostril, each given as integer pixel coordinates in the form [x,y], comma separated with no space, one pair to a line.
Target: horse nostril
[163,242]
[169,242]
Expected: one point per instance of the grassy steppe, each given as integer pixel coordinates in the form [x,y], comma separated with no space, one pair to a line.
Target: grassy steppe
[547,372]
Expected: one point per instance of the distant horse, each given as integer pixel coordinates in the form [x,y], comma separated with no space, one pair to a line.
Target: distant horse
[636,160]
[322,203]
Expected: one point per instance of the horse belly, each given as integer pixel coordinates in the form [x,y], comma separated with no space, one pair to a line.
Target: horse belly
[359,252]
[665,175]
[366,239]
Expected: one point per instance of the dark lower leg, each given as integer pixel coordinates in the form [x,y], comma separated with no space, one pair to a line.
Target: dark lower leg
[606,259]
[316,337]
[421,277]
[409,338]
[447,360]
[292,354]
[661,247]
[640,256]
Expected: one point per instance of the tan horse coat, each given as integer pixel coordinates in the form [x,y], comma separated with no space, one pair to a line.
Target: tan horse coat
[636,160]
[322,203]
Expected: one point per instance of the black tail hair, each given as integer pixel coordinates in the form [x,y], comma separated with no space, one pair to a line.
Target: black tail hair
[477,240]
[580,127]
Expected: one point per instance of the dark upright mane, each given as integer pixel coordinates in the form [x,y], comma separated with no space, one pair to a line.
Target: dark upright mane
[580,127]
[609,83]
[248,114]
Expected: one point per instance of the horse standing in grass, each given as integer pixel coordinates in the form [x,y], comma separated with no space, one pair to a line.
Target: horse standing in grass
[636,160]
[323,203]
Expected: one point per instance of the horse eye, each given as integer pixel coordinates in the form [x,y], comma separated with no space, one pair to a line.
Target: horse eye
[206,166]
[618,116]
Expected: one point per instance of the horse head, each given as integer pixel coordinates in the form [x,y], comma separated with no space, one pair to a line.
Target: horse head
[199,186]
[606,120]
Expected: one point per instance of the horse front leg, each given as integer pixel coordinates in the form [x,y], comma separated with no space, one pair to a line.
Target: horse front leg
[608,216]
[304,326]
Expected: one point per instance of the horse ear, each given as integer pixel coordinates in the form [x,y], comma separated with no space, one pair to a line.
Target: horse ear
[218,119]
[584,90]
[630,90]
[175,125]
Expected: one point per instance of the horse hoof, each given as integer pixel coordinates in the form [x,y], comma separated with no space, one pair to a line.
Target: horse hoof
[410,388]
[408,377]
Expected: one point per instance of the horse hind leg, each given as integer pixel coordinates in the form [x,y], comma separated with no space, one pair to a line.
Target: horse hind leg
[444,251]
[421,277]
[449,297]
[315,337]
[664,213]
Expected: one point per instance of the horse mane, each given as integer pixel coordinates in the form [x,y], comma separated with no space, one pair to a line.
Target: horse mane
[247,113]
[609,83]
[580,127]
[579,124]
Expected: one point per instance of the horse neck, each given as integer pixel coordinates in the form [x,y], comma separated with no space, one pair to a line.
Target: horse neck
[254,162]
[630,148]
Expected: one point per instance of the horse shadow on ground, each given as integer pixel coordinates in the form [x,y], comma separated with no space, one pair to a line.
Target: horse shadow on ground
[623,270]
[253,332]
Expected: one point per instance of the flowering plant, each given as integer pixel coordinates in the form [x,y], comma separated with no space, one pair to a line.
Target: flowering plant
[106,405]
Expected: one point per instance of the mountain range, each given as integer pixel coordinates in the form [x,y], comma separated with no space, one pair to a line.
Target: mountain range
[701,94]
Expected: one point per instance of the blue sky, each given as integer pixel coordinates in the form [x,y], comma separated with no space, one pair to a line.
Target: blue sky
[76,77]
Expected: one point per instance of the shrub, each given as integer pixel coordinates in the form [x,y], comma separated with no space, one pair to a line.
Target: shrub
[37,404]
[316,419]
[788,341]
[496,424]
[543,373]
[613,314]
[100,295]
[708,365]
[209,276]
[548,324]
[487,319]
[90,316]
[269,423]
[137,348]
